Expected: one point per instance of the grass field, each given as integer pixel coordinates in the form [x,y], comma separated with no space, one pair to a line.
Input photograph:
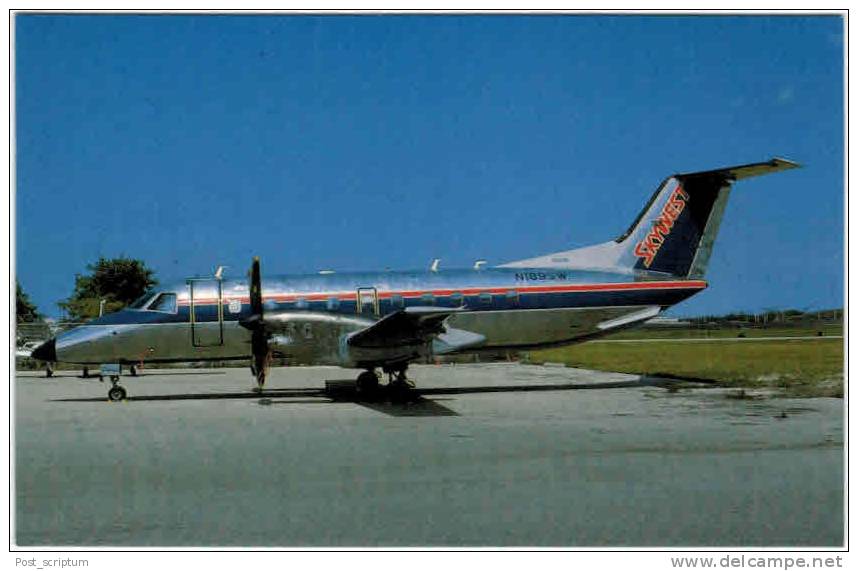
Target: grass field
[827,329]
[801,367]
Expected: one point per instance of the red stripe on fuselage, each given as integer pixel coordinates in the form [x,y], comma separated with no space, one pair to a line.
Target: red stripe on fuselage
[568,288]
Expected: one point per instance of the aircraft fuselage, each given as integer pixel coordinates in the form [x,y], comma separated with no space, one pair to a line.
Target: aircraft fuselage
[511,308]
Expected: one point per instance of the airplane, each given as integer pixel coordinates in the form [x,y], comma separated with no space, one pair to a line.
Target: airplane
[386,320]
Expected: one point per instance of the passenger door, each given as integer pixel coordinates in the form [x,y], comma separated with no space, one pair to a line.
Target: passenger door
[206,312]
[367,302]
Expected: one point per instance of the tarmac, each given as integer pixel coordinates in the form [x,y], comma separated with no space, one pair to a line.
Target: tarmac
[484,455]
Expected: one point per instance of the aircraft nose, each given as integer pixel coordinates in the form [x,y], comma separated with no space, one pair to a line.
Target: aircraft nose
[47,351]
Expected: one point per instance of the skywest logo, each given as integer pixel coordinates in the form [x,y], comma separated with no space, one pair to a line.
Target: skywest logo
[649,246]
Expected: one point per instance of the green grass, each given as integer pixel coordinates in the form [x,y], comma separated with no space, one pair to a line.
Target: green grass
[812,367]
[827,329]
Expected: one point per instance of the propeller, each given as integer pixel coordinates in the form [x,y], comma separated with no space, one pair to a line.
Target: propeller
[256,324]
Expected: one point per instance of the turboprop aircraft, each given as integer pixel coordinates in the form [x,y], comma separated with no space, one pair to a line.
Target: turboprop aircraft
[386,320]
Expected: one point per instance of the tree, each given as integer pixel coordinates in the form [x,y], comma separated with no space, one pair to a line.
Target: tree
[25,310]
[117,281]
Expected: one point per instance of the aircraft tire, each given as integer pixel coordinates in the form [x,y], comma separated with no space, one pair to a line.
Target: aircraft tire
[367,382]
[116,394]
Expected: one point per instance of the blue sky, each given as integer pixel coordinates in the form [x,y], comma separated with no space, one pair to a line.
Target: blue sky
[369,142]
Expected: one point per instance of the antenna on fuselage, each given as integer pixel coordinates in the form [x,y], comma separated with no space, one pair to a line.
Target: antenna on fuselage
[435,263]
[219,272]
[478,265]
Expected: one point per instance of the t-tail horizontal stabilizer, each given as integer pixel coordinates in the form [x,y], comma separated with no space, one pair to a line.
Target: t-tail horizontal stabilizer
[673,234]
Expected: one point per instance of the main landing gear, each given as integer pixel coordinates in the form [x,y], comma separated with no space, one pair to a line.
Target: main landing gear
[367,382]
[396,378]
[398,386]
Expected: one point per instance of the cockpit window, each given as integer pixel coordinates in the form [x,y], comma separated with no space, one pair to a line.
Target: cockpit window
[141,301]
[164,302]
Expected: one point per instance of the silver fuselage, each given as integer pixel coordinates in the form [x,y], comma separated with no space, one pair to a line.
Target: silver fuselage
[511,308]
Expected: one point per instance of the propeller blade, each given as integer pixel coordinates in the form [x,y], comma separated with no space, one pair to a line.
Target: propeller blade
[256,288]
[256,323]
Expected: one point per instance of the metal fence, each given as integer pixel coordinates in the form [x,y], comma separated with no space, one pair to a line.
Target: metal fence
[40,331]
[28,332]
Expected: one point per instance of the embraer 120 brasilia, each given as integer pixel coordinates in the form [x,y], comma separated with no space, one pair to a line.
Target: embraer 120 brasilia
[386,320]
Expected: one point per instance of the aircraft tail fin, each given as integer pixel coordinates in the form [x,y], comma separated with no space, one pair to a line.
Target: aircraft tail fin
[675,231]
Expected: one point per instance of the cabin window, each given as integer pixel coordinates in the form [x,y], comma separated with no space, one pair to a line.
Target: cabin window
[301,303]
[165,302]
[456,298]
[396,300]
[427,299]
[512,296]
[141,301]
[485,297]
[333,303]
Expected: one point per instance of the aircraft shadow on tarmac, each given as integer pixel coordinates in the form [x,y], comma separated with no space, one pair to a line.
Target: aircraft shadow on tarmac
[94,375]
[414,403]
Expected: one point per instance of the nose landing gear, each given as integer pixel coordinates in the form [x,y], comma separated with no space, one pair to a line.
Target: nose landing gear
[116,393]
[112,371]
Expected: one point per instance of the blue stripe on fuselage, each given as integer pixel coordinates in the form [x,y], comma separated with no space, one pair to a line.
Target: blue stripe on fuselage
[499,302]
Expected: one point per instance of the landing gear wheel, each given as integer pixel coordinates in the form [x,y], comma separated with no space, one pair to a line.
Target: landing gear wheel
[400,388]
[86,372]
[400,379]
[116,393]
[49,370]
[133,370]
[367,382]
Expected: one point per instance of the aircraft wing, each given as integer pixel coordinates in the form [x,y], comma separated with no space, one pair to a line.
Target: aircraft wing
[411,326]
